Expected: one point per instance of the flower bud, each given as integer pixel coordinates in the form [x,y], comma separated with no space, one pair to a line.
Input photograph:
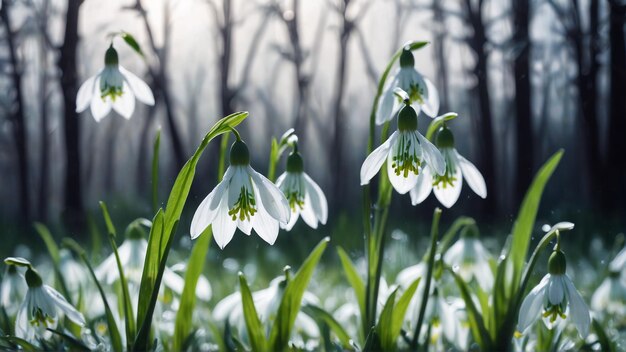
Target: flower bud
[407,119]
[445,138]
[110,57]
[557,263]
[295,162]
[32,278]
[406,58]
[239,154]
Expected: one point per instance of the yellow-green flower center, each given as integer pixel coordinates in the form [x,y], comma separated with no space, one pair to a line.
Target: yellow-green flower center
[41,319]
[111,91]
[554,311]
[244,207]
[296,199]
[416,93]
[405,160]
[449,176]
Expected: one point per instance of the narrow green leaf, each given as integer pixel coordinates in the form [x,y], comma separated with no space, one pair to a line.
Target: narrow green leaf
[182,327]
[14,340]
[438,122]
[385,322]
[400,309]
[155,171]
[150,267]
[132,43]
[256,332]
[523,226]
[323,316]
[353,278]
[71,340]
[107,219]
[114,333]
[606,344]
[292,298]
[53,250]
[477,325]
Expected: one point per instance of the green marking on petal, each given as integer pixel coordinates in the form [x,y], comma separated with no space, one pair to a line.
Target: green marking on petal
[405,160]
[245,206]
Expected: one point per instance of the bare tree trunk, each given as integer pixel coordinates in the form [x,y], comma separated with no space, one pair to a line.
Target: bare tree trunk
[477,43]
[42,201]
[439,52]
[69,85]
[616,162]
[523,104]
[336,150]
[17,116]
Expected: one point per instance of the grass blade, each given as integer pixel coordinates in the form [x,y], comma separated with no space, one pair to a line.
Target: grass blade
[353,278]
[155,171]
[256,332]
[292,298]
[53,250]
[385,322]
[182,327]
[322,316]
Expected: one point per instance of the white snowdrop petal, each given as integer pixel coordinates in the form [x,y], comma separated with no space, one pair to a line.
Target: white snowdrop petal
[472,176]
[400,183]
[265,225]
[86,93]
[431,99]
[556,288]
[173,281]
[317,197]
[139,87]
[203,289]
[295,215]
[384,112]
[432,155]
[375,160]
[223,225]
[272,199]
[423,187]
[238,181]
[125,104]
[579,312]
[531,307]
[204,215]
[100,107]
[69,311]
[245,226]
[308,214]
[448,195]
[221,188]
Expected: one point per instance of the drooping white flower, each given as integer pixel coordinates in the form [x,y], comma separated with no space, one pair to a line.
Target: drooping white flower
[113,87]
[405,151]
[445,323]
[447,186]
[422,93]
[40,309]
[266,302]
[12,290]
[304,195]
[555,299]
[610,296]
[472,260]
[75,274]
[244,199]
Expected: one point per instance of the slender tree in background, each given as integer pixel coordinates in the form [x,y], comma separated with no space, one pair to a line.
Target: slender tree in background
[523,104]
[477,41]
[17,112]
[585,45]
[297,56]
[439,37]
[616,162]
[44,165]
[69,86]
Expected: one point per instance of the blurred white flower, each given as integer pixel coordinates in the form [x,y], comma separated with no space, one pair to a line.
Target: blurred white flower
[447,186]
[555,299]
[40,309]
[113,87]
[132,253]
[266,302]
[610,296]
[12,290]
[405,151]
[75,275]
[422,93]
[444,321]
[472,260]
[244,199]
[619,262]
[304,195]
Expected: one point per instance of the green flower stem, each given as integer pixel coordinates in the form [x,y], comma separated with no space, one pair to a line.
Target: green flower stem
[375,240]
[434,234]
[155,171]
[221,167]
[456,226]
[274,156]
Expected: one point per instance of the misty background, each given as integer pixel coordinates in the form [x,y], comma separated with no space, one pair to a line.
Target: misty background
[527,77]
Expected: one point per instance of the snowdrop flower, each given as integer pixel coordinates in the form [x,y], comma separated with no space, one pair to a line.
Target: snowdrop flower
[304,195]
[12,290]
[445,323]
[76,275]
[472,260]
[610,297]
[132,254]
[405,151]
[41,306]
[619,262]
[422,93]
[266,302]
[113,87]
[244,199]
[555,299]
[447,186]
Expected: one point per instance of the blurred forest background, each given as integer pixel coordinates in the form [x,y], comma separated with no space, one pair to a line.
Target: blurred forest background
[526,76]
